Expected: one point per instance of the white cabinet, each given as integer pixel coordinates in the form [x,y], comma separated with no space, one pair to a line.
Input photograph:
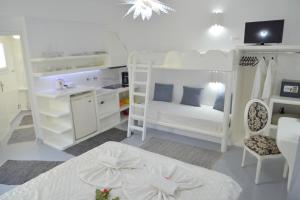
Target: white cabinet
[107,104]
[108,110]
[84,114]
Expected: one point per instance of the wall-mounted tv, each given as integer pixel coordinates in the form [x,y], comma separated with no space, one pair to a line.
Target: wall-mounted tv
[263,32]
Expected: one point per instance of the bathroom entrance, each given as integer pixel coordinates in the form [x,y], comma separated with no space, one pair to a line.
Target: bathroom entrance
[16,124]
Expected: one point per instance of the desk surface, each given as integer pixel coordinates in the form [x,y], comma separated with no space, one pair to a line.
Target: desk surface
[288,129]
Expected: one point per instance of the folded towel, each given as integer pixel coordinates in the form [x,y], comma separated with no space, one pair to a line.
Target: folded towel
[106,170]
[160,183]
[163,184]
[110,161]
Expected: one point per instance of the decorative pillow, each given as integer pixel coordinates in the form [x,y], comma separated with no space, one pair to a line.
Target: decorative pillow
[163,92]
[219,103]
[191,96]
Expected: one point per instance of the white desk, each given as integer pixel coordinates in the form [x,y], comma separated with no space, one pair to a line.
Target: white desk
[288,134]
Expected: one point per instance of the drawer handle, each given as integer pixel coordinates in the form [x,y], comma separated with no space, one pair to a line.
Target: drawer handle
[90,101]
[102,102]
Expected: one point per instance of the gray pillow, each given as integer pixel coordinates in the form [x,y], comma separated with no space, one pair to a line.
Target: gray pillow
[163,92]
[191,96]
[219,103]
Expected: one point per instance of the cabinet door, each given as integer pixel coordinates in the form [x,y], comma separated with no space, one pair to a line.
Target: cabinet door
[84,116]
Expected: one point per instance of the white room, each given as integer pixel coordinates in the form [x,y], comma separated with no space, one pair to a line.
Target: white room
[149,99]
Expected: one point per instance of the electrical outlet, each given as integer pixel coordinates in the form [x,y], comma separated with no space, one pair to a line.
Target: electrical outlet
[95,78]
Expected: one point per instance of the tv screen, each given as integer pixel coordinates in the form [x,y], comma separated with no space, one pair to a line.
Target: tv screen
[264,32]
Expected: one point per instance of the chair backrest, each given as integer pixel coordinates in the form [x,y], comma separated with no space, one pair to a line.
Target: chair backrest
[257,117]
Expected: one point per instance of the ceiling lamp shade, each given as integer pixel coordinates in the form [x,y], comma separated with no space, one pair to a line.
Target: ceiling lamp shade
[145,8]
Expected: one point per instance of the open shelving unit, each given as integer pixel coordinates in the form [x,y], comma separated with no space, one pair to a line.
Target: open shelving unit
[124,106]
[56,121]
[68,64]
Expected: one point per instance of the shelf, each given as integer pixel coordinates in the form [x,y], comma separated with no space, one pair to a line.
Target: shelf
[140,94]
[123,119]
[61,58]
[54,113]
[270,48]
[56,128]
[125,107]
[61,143]
[70,71]
[285,100]
[124,89]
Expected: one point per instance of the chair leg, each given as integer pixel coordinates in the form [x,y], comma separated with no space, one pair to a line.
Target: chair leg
[244,157]
[285,170]
[258,171]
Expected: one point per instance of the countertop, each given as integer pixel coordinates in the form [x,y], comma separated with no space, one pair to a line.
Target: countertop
[52,93]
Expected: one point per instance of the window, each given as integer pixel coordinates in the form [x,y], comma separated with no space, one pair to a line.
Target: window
[3,64]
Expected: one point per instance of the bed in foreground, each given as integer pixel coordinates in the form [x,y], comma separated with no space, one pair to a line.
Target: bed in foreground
[131,173]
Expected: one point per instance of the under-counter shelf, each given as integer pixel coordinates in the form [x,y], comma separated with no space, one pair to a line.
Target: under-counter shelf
[55,127]
[54,113]
[123,119]
[58,141]
[124,107]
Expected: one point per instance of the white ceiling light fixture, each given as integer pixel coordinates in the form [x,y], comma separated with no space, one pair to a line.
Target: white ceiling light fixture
[217,18]
[145,8]
[16,37]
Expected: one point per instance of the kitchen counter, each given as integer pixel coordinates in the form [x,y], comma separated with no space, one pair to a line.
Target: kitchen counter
[52,93]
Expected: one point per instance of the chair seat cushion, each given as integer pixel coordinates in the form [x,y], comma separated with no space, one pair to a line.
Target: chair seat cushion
[262,145]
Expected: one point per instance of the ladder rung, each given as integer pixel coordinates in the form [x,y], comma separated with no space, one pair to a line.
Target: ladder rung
[137,117]
[138,105]
[136,128]
[141,65]
[140,83]
[139,94]
[141,70]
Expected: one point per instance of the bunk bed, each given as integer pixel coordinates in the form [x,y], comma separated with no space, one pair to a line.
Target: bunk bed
[202,122]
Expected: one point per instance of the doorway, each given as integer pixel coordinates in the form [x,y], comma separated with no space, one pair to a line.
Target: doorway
[16,124]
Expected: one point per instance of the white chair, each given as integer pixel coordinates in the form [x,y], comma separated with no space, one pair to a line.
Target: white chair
[257,120]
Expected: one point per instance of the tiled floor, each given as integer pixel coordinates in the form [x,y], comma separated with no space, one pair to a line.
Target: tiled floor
[273,187]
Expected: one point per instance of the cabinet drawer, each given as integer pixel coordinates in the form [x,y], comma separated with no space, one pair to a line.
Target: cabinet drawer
[109,122]
[107,104]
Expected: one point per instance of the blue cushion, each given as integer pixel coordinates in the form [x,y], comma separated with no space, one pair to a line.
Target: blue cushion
[163,92]
[191,96]
[219,103]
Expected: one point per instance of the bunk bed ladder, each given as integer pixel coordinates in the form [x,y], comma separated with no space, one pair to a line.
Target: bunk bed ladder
[137,121]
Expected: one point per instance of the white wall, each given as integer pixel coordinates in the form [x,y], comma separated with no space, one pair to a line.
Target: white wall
[187,28]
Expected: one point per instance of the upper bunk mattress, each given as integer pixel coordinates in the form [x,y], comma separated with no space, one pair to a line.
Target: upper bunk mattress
[203,118]
[63,182]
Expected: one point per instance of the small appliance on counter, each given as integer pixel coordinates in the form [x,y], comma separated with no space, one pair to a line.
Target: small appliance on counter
[125,80]
[290,88]
[59,84]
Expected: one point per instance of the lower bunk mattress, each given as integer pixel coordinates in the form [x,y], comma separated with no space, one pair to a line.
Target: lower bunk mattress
[203,119]
[78,178]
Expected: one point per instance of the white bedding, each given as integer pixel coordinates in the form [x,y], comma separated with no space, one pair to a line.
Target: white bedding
[63,182]
[200,118]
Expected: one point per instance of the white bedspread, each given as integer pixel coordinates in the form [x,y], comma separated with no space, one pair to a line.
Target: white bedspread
[63,182]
